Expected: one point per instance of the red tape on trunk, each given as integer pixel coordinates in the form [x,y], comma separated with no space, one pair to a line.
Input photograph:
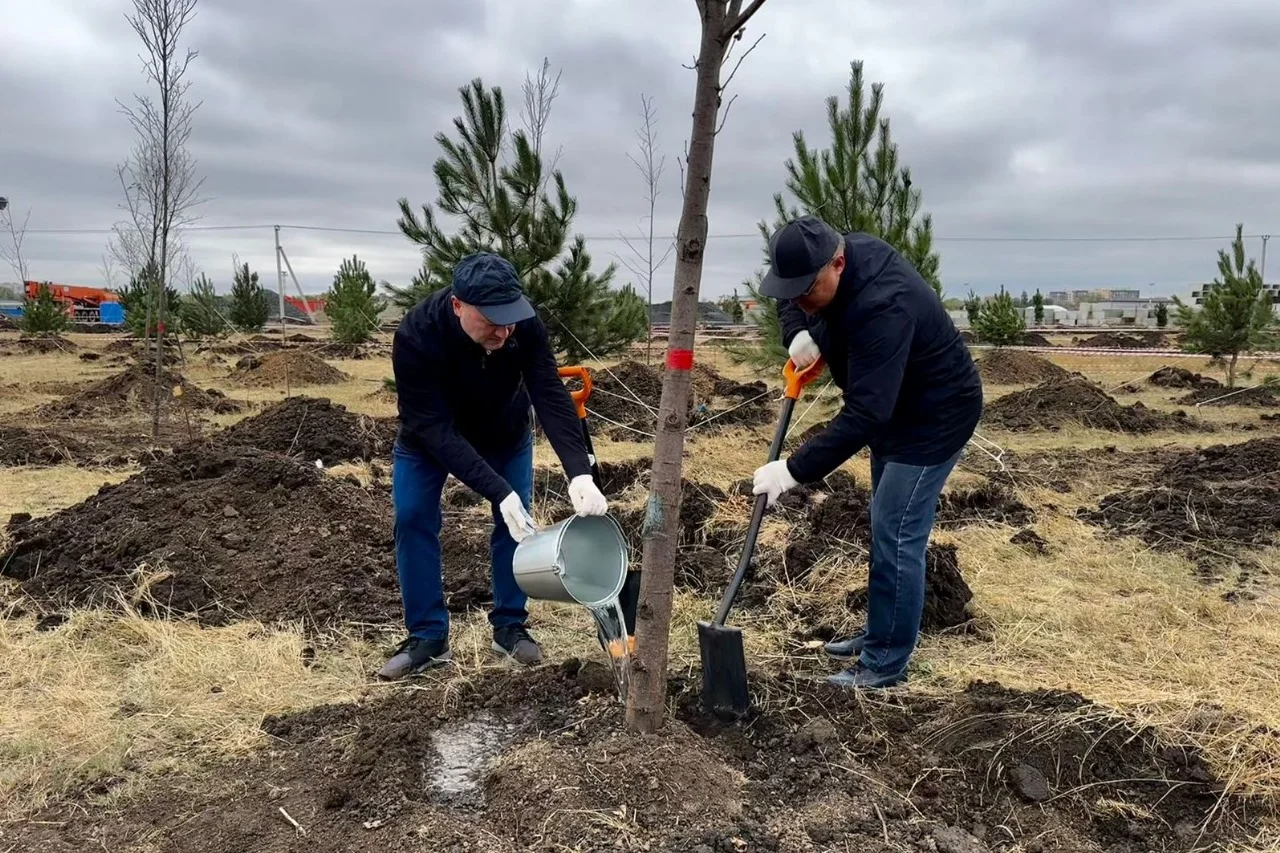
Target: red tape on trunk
[680,359]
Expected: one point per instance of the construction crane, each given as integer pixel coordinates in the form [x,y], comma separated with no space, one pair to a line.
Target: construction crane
[83,304]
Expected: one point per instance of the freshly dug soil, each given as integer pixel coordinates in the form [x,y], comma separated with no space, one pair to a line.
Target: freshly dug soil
[1257,397]
[1034,339]
[313,428]
[290,367]
[45,344]
[1180,377]
[223,533]
[1015,367]
[541,760]
[989,503]
[1225,494]
[1124,340]
[22,446]
[1073,399]
[625,401]
[131,391]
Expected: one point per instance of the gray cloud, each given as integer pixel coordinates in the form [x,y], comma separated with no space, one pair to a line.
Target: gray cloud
[1065,118]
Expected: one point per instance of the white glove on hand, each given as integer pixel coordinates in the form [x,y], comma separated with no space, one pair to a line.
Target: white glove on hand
[803,350]
[773,479]
[519,522]
[586,496]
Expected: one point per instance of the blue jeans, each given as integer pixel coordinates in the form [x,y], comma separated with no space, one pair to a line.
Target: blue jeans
[416,485]
[904,499]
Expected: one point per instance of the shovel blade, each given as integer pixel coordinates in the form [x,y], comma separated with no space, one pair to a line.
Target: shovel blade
[724,671]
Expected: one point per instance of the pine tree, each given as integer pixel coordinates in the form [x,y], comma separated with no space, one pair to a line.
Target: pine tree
[497,184]
[1024,301]
[352,303]
[43,315]
[1038,302]
[972,307]
[201,313]
[1162,315]
[1235,313]
[139,301]
[1000,322]
[250,304]
[732,306]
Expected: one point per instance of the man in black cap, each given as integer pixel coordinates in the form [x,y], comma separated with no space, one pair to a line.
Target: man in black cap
[468,361]
[912,395]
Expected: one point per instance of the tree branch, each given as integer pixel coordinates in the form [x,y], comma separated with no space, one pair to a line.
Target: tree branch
[725,84]
[738,21]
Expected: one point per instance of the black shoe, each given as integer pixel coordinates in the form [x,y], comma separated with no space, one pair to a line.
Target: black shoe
[514,642]
[847,649]
[859,677]
[415,655]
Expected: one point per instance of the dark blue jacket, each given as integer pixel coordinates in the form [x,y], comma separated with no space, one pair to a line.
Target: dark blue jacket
[912,393]
[459,402]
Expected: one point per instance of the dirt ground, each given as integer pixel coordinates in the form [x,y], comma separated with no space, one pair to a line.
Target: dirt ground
[1068,693]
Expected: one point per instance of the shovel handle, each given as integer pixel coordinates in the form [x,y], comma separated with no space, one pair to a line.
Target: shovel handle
[796,381]
[582,395]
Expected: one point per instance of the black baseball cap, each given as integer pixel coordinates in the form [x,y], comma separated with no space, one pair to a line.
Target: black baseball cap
[797,253]
[491,284]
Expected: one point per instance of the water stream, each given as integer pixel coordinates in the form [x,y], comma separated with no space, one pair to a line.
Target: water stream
[609,619]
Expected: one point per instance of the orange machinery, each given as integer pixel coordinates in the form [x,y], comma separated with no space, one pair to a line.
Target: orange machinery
[83,304]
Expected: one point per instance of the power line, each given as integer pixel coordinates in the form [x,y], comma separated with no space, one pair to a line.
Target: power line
[1167,238]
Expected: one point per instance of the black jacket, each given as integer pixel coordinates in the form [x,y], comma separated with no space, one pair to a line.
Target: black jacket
[912,393]
[458,401]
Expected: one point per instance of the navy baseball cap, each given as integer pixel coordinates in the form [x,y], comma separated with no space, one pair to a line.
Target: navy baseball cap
[491,284]
[797,253]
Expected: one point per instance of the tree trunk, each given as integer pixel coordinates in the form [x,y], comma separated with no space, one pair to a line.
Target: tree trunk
[1231,370]
[646,701]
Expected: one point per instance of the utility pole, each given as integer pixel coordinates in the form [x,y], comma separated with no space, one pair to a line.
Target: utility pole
[1262,271]
[280,283]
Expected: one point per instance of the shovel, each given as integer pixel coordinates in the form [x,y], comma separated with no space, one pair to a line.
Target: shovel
[724,664]
[629,597]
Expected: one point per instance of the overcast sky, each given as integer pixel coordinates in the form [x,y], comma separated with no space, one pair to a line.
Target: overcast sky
[1021,121]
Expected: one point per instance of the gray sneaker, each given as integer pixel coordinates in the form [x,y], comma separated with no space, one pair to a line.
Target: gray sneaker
[514,642]
[847,649]
[415,655]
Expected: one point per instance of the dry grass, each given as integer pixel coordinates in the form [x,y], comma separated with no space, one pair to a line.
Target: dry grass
[41,491]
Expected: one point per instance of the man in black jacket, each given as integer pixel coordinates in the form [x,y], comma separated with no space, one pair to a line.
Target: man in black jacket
[468,362]
[912,395]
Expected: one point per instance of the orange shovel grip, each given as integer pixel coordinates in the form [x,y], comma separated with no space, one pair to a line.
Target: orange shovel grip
[797,379]
[583,394]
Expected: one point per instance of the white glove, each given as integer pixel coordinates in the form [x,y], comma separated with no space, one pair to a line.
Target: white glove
[803,350]
[586,497]
[773,479]
[519,522]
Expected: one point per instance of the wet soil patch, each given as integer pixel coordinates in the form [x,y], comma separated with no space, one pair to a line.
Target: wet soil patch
[313,428]
[988,768]
[1015,367]
[1257,397]
[217,533]
[1074,400]
[1180,377]
[289,367]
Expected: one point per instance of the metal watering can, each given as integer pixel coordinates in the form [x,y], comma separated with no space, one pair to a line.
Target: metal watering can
[580,560]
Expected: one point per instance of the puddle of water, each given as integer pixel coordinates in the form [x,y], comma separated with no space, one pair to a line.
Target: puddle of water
[613,627]
[463,749]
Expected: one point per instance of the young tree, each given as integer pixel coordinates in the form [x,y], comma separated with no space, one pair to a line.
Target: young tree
[1235,313]
[159,177]
[1038,302]
[201,313]
[250,303]
[43,315]
[973,307]
[139,297]
[352,303]
[11,242]
[732,306]
[1024,301]
[1000,321]
[1162,314]
[642,262]
[722,23]
[519,207]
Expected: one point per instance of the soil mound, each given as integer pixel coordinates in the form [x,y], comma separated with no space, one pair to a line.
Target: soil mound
[222,533]
[1257,397]
[1034,339]
[45,344]
[989,503]
[539,760]
[1124,340]
[313,428]
[288,367]
[131,392]
[22,446]
[1180,377]
[1249,461]
[625,401]
[1074,400]
[1014,367]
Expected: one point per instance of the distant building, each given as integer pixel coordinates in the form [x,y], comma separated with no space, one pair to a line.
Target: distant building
[1197,295]
[1059,297]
